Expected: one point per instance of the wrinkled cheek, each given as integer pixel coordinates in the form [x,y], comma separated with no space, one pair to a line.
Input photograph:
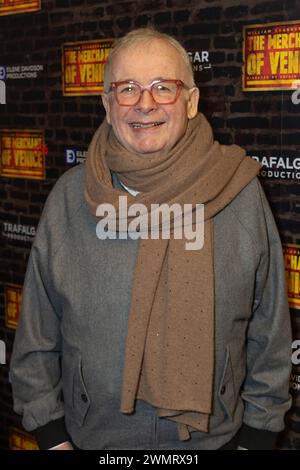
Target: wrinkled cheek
[122,133]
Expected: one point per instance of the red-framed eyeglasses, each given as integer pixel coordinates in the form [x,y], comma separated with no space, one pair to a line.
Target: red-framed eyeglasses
[128,93]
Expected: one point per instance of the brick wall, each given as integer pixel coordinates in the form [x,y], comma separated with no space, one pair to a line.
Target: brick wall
[265,123]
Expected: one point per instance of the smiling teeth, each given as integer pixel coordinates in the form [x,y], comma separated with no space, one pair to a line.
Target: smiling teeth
[136,125]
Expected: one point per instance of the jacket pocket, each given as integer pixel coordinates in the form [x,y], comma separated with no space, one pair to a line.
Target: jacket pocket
[80,397]
[226,390]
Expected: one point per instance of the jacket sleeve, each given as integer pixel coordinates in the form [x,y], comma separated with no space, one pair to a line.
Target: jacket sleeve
[266,388]
[35,371]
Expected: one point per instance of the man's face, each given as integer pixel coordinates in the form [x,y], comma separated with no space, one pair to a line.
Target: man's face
[145,63]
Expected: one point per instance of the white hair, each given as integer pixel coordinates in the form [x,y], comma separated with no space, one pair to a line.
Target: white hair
[142,36]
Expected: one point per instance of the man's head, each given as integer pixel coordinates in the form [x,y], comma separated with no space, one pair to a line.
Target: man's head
[145,56]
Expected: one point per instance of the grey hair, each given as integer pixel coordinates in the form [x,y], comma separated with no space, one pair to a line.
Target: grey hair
[144,35]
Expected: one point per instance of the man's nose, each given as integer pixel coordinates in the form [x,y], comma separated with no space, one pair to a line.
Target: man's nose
[146,102]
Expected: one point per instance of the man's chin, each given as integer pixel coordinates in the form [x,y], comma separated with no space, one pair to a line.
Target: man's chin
[148,151]
[146,148]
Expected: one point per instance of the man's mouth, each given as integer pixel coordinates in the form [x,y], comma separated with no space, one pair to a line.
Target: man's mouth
[145,125]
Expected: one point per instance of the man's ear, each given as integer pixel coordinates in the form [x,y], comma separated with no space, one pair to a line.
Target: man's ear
[106,104]
[192,105]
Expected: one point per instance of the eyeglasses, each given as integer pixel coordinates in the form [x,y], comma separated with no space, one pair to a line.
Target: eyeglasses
[128,93]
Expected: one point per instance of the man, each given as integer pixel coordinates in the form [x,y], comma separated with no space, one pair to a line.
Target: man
[132,342]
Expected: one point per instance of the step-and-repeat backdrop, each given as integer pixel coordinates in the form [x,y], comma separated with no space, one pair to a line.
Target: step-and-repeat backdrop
[246,58]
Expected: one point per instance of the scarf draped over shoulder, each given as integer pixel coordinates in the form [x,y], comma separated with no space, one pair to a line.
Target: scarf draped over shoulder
[169,357]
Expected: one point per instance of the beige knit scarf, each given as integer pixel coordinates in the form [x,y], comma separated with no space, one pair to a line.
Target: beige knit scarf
[169,358]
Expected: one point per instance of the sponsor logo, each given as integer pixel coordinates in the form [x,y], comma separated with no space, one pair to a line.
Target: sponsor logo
[279,167]
[2,72]
[17,72]
[295,382]
[200,60]
[73,156]
[164,221]
[83,67]
[25,233]
[271,56]
[22,153]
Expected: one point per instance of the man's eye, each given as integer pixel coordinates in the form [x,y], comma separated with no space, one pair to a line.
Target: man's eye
[127,89]
[163,88]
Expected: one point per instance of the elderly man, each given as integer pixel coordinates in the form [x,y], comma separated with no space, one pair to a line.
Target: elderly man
[134,342]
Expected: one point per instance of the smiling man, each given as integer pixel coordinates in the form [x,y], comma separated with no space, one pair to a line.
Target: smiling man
[140,343]
[149,125]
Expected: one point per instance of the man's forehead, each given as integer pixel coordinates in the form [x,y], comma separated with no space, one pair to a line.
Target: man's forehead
[154,60]
[161,46]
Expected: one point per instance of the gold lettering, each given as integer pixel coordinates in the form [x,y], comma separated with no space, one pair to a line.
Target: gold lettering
[255,63]
[294,62]
[258,43]
[91,73]
[92,55]
[70,57]
[70,74]
[294,285]
[283,62]
[294,262]
[17,442]
[274,61]
[12,310]
[284,41]
[275,41]
[11,296]
[297,40]
[26,159]
[27,142]
[6,157]
[6,141]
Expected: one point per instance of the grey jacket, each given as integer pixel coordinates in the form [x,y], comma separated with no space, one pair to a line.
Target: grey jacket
[66,368]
